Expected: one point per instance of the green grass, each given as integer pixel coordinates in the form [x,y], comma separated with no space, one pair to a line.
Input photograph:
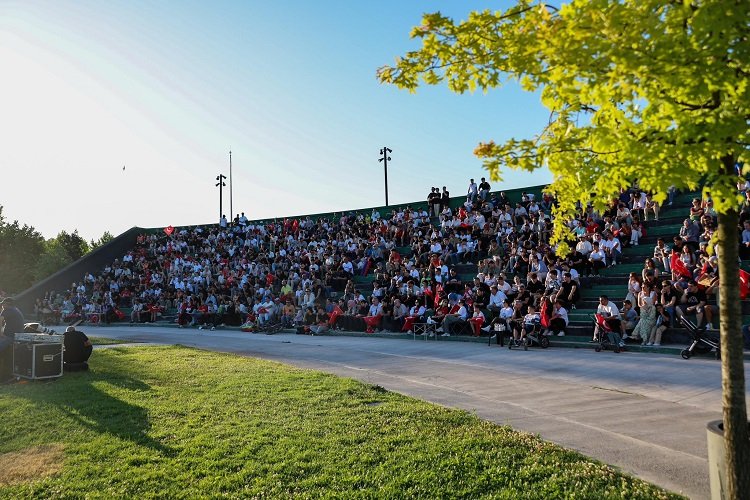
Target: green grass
[179,422]
[108,341]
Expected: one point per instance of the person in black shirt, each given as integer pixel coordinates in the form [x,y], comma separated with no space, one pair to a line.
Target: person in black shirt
[484,189]
[77,350]
[11,318]
[568,293]
[321,321]
[445,199]
[694,302]
[11,322]
[535,287]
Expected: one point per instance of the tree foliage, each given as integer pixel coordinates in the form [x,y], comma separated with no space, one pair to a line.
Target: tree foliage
[20,247]
[54,258]
[105,238]
[26,257]
[75,246]
[651,92]
[638,90]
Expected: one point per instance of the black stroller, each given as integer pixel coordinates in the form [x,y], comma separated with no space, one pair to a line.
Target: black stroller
[703,341]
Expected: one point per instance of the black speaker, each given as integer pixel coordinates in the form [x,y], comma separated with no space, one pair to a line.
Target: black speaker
[33,360]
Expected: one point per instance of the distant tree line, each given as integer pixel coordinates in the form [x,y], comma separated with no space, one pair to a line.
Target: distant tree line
[27,257]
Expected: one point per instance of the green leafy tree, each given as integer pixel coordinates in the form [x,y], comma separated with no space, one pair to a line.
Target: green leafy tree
[75,246]
[642,91]
[54,258]
[103,240]
[20,247]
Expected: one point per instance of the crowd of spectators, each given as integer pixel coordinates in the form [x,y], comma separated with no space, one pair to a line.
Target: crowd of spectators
[463,269]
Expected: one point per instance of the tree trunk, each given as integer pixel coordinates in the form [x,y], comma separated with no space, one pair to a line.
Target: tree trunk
[736,439]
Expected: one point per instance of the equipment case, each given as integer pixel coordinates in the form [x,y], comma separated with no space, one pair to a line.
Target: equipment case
[37,360]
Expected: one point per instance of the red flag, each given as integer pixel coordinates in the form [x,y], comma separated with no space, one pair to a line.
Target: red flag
[744,284]
[169,230]
[679,267]
[545,313]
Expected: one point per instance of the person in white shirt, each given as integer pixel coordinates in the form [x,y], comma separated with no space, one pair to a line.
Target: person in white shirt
[497,298]
[611,315]
[559,319]
[612,249]
[597,260]
[502,285]
[459,317]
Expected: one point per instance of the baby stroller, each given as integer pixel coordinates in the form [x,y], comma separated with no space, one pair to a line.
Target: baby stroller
[703,341]
[606,338]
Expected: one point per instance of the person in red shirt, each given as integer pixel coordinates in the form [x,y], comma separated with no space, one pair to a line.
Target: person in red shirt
[591,226]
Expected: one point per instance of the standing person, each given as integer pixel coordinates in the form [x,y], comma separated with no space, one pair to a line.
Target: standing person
[471,193]
[445,199]
[11,322]
[433,201]
[484,189]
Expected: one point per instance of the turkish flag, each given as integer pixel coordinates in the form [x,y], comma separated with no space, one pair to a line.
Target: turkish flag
[169,230]
[744,284]
[679,267]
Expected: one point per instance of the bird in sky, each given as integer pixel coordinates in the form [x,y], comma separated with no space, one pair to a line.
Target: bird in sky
[123,168]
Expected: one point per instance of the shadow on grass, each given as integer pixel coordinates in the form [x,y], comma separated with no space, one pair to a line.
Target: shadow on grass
[83,397]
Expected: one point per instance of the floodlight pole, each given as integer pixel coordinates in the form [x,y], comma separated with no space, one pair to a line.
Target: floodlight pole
[231,208]
[221,185]
[385,159]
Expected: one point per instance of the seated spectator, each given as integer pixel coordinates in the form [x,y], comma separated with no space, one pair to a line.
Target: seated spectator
[597,260]
[320,324]
[608,310]
[477,320]
[374,316]
[531,321]
[628,316]
[660,326]
[694,301]
[558,320]
[457,317]
[568,293]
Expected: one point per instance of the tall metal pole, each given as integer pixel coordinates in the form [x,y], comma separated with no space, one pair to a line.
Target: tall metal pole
[221,185]
[385,159]
[231,208]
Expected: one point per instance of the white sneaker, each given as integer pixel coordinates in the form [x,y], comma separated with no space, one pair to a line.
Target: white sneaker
[486,329]
[493,337]
[200,327]
[446,334]
[656,345]
[625,337]
[561,334]
[430,335]
[439,329]
[649,344]
[622,344]
[410,331]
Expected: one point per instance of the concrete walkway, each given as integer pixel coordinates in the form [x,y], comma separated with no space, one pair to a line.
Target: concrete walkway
[645,414]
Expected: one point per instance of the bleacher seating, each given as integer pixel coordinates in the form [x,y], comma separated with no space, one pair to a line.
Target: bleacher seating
[210,249]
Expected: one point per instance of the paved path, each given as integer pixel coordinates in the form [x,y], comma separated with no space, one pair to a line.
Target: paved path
[645,413]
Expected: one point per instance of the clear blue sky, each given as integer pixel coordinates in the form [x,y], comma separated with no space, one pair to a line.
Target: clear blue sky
[166,88]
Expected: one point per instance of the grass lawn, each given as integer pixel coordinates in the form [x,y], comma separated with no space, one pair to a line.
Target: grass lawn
[180,422]
[108,341]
